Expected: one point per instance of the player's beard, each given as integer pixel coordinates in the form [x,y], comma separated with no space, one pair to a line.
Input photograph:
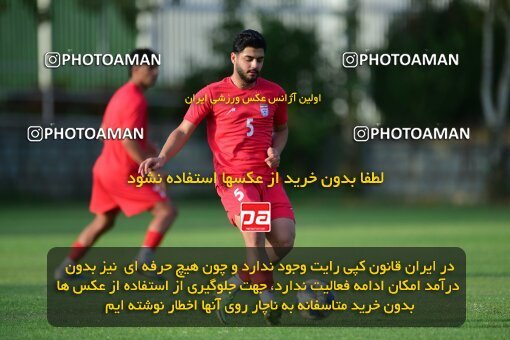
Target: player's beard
[245,76]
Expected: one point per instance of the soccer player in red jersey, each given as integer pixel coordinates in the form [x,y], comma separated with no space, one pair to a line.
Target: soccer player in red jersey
[244,136]
[119,159]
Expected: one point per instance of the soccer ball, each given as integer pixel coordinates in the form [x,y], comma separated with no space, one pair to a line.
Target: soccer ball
[322,297]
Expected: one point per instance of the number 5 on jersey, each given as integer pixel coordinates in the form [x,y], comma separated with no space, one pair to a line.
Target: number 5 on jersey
[251,128]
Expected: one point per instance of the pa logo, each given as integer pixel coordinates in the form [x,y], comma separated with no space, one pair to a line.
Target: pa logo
[256,216]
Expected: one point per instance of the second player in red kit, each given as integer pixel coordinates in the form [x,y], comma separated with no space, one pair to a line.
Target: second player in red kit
[119,159]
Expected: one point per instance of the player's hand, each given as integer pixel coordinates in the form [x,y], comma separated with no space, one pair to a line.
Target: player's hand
[150,164]
[160,187]
[273,159]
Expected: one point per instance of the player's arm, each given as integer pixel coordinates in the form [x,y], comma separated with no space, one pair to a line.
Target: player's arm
[135,150]
[176,140]
[173,145]
[280,136]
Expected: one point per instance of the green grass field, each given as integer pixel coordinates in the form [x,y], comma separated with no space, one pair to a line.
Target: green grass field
[28,231]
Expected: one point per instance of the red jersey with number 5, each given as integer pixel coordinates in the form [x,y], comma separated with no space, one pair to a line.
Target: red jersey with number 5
[240,124]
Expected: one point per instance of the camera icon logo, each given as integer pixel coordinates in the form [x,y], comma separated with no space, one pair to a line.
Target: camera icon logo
[35,133]
[361,133]
[52,60]
[350,59]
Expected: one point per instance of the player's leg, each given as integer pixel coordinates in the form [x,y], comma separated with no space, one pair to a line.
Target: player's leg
[152,198]
[105,209]
[231,198]
[164,214]
[255,243]
[101,223]
[255,251]
[280,240]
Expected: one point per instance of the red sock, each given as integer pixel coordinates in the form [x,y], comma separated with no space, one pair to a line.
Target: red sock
[244,275]
[152,239]
[77,251]
[263,277]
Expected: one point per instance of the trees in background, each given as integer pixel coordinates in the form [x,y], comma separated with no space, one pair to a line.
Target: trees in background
[475,92]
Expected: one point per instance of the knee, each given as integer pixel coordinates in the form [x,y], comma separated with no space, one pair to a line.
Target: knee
[282,243]
[286,239]
[254,240]
[286,242]
[166,211]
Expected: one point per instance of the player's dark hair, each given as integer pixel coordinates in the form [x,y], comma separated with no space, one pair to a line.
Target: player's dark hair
[140,52]
[248,38]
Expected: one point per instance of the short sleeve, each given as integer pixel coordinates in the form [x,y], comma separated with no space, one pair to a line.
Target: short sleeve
[200,107]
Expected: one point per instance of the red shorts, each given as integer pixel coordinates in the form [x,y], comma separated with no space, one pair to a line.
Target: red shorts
[231,199]
[110,191]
